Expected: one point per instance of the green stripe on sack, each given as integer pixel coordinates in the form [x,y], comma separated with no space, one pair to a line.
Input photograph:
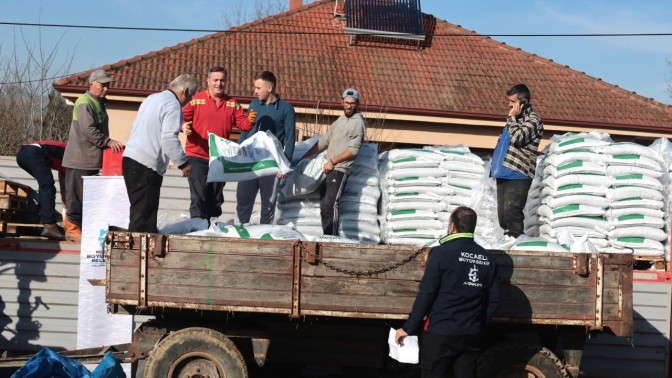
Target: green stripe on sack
[630,217]
[231,167]
[574,164]
[571,141]
[407,194]
[633,176]
[404,160]
[266,237]
[406,178]
[405,230]
[626,157]
[570,187]
[631,239]
[536,243]
[242,231]
[631,199]
[212,143]
[453,152]
[403,212]
[565,209]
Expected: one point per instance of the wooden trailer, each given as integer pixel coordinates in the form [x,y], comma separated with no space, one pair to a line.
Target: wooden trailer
[221,303]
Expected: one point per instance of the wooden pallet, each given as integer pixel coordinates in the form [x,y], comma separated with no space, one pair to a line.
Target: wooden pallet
[11,187]
[20,229]
[13,202]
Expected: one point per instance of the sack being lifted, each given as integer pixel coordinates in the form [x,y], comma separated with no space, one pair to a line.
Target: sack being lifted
[258,156]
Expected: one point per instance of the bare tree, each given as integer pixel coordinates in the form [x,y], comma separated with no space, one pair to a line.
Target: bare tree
[31,109]
[238,14]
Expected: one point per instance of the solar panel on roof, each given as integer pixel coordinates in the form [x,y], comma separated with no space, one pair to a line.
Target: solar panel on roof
[388,18]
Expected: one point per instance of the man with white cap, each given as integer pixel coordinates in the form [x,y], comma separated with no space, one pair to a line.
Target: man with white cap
[342,142]
[89,135]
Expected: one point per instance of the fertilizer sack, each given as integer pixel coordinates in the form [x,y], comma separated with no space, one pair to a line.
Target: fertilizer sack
[258,156]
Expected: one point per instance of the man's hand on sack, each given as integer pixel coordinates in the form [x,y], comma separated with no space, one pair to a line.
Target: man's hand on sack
[186,128]
[252,116]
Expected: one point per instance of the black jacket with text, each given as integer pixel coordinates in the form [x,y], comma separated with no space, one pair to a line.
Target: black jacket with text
[459,291]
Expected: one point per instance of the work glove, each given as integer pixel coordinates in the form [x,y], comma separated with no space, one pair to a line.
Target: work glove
[186,128]
[252,116]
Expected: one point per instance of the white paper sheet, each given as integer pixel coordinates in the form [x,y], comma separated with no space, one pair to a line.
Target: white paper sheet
[408,353]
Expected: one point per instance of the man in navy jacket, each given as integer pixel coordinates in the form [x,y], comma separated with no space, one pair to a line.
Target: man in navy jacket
[459,293]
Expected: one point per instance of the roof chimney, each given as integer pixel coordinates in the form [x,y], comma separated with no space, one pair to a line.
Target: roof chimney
[295,4]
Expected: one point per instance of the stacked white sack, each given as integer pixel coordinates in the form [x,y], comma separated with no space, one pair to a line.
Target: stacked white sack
[575,187]
[358,206]
[488,233]
[298,202]
[664,147]
[636,217]
[464,175]
[531,222]
[412,194]
[302,211]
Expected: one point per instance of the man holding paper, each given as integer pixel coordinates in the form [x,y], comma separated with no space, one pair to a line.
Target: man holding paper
[458,294]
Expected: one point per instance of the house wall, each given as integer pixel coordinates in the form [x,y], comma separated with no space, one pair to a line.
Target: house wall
[387,127]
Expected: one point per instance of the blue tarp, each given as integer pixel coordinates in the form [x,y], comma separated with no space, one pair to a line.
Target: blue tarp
[47,363]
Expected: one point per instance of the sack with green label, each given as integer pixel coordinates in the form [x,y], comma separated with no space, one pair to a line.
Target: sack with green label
[258,156]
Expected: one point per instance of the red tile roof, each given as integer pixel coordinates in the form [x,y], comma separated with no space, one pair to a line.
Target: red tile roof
[465,75]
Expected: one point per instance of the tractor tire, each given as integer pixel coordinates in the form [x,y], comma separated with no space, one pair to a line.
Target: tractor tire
[512,359]
[194,352]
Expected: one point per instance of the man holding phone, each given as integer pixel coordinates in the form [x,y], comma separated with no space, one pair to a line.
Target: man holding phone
[515,159]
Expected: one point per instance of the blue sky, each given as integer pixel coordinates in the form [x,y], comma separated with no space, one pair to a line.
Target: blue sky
[639,64]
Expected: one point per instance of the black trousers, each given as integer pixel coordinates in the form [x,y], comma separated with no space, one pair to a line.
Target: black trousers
[74,192]
[330,192]
[206,199]
[33,160]
[143,186]
[511,199]
[438,354]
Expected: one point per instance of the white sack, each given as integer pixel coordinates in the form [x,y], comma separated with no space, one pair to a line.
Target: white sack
[258,156]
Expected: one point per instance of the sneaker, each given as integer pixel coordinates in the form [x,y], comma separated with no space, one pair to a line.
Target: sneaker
[52,232]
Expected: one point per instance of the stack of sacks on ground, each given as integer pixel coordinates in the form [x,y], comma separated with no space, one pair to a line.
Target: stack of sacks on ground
[635,215]
[531,222]
[412,196]
[664,147]
[574,188]
[358,205]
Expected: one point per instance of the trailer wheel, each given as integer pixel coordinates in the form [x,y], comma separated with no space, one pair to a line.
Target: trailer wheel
[511,359]
[196,352]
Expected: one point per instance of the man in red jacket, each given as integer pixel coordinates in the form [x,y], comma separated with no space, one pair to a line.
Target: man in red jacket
[210,111]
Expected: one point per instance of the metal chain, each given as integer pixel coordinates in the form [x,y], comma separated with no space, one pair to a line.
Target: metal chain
[365,273]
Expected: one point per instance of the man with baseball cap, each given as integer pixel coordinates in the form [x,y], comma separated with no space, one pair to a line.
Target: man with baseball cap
[342,142]
[89,135]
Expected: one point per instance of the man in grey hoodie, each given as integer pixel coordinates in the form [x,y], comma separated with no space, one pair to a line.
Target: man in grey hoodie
[342,142]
